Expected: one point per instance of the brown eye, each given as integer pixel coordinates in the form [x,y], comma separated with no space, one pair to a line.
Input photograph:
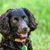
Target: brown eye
[17,19]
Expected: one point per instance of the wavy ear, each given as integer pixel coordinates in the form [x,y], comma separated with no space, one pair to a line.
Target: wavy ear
[32,23]
[4,23]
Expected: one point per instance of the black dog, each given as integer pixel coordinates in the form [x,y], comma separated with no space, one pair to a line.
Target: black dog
[15,26]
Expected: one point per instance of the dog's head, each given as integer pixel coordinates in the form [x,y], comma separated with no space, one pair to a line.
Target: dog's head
[19,22]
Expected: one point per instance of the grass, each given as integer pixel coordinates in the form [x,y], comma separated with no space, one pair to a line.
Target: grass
[41,10]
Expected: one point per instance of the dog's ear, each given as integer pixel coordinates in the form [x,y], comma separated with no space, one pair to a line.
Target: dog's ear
[4,23]
[32,23]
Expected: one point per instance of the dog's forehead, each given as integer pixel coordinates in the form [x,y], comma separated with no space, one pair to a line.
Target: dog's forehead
[18,12]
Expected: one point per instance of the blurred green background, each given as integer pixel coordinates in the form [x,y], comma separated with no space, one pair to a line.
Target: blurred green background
[41,10]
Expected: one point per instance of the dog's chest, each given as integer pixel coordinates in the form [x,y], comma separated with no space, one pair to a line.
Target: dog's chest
[19,46]
[15,46]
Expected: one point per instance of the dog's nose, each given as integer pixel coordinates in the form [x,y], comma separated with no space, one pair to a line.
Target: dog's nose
[26,29]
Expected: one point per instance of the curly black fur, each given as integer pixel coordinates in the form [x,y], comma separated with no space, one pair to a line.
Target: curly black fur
[7,30]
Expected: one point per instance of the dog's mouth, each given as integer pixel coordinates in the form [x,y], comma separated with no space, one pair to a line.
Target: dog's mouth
[22,37]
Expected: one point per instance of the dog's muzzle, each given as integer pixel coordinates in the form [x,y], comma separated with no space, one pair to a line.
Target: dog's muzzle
[22,36]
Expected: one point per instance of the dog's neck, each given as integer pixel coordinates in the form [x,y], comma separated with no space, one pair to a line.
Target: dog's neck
[13,45]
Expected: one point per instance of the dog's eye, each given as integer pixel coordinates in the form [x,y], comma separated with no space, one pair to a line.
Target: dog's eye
[16,19]
[23,17]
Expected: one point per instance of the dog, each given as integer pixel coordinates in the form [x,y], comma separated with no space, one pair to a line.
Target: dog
[16,26]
